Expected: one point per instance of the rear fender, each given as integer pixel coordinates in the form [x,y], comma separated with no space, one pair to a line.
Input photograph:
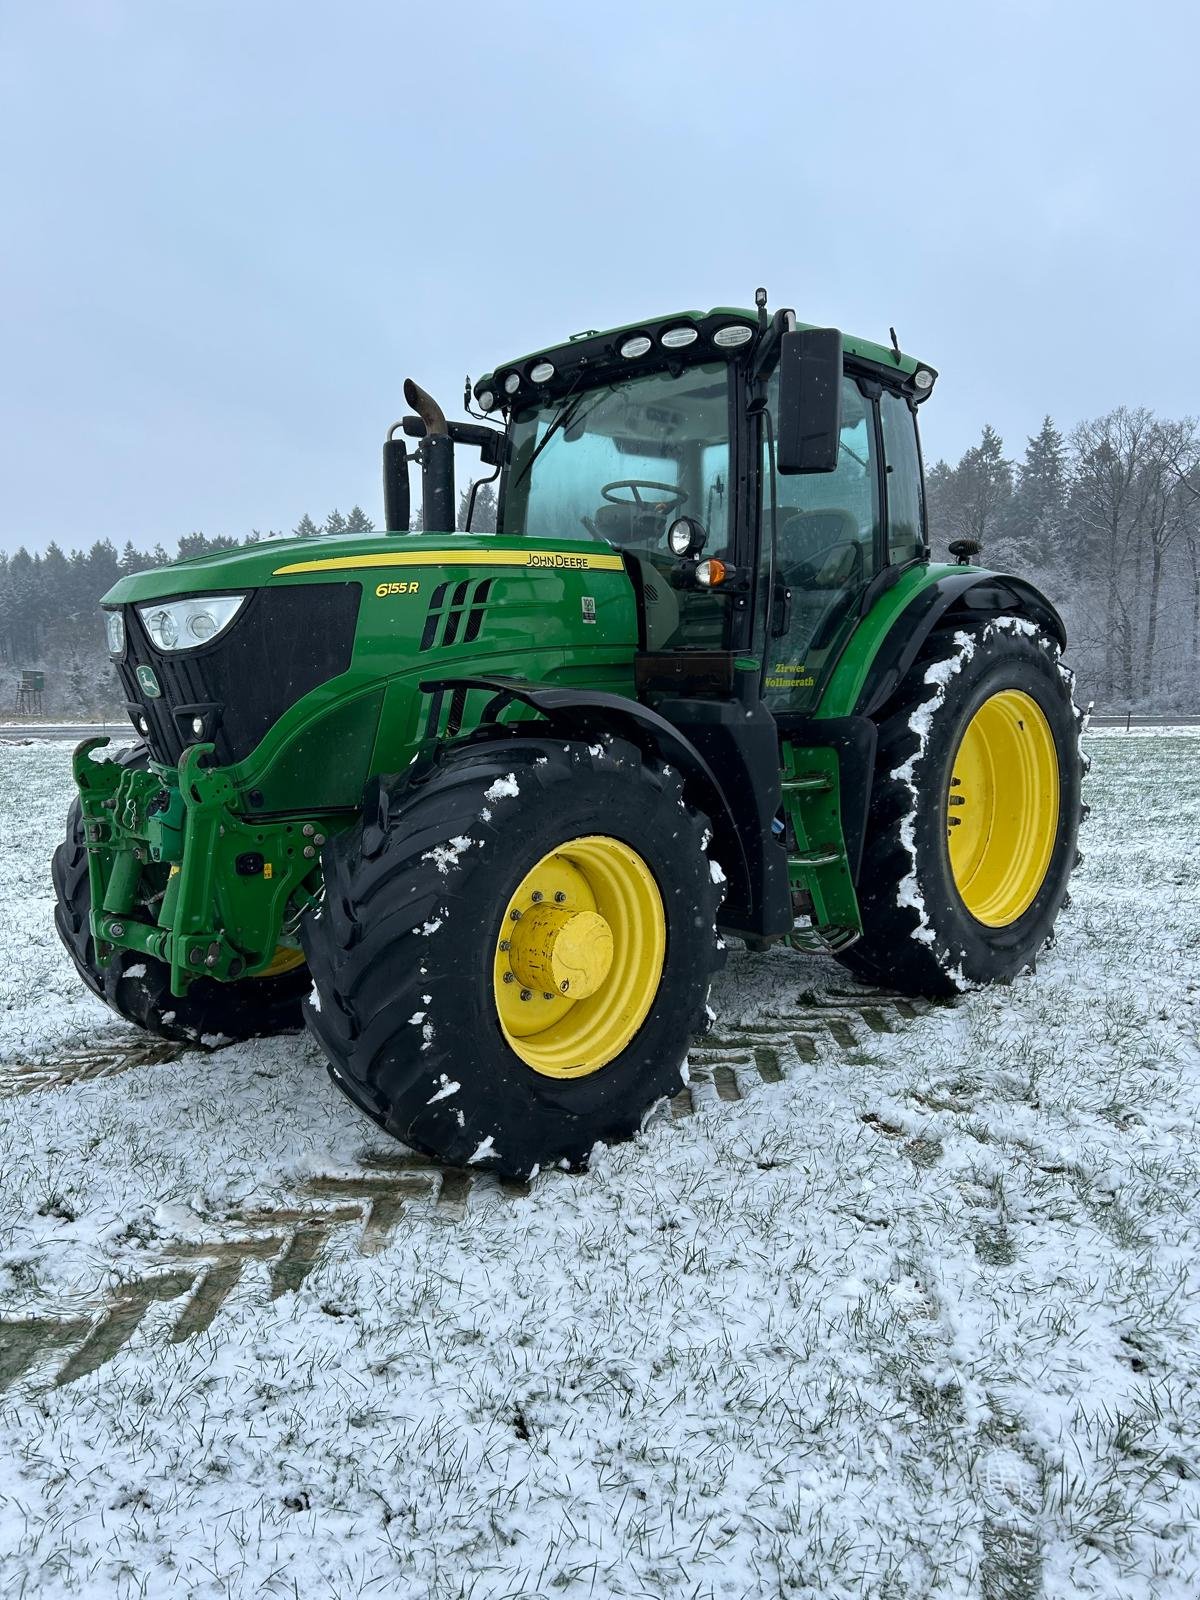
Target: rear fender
[967,593]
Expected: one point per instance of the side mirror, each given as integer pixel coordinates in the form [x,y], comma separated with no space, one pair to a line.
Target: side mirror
[809,424]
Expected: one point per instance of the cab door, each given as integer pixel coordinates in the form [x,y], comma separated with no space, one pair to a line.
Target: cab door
[829,546]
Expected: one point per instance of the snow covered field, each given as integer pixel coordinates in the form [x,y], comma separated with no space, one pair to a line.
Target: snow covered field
[916,1315]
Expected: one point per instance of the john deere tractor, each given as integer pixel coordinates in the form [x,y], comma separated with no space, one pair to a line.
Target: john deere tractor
[478,807]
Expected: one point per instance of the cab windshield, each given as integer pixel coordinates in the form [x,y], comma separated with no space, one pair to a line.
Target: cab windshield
[621,461]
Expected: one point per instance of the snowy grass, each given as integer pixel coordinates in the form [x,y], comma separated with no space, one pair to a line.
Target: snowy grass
[920,1319]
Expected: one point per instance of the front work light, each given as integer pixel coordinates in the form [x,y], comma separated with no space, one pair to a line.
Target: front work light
[114,627]
[542,373]
[186,624]
[730,337]
[679,338]
[637,346]
[685,537]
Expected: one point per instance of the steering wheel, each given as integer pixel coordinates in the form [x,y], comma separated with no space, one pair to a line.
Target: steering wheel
[675,495]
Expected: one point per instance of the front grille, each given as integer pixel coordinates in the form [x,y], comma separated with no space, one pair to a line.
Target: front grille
[282,644]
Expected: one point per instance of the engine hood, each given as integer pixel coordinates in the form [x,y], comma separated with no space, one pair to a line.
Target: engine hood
[276,561]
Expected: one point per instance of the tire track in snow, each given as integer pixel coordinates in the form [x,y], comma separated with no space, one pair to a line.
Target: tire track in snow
[193,1280]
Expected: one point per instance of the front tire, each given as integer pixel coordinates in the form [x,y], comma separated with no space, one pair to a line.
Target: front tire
[975,810]
[512,958]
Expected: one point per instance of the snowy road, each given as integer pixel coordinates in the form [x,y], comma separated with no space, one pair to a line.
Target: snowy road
[892,1302]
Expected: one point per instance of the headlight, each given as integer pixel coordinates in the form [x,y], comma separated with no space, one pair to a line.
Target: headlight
[185,624]
[114,627]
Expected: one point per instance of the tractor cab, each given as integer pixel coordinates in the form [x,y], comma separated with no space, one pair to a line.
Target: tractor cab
[758,478]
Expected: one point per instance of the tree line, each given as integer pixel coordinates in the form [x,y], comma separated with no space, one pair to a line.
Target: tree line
[50,604]
[1105,519]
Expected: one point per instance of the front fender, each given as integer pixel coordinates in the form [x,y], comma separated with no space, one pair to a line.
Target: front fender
[743,743]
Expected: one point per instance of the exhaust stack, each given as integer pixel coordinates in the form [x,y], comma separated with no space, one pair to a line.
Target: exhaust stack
[436,455]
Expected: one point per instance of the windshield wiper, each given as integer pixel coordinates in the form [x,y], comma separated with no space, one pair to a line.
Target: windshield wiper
[562,418]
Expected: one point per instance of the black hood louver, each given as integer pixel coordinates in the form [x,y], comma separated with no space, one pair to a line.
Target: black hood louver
[456,613]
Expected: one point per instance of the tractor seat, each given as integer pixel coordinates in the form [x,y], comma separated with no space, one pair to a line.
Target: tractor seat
[631,524]
[826,544]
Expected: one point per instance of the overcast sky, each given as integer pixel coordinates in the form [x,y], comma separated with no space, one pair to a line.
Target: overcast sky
[230,228]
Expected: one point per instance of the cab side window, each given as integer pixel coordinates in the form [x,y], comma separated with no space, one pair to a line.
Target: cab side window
[905,496]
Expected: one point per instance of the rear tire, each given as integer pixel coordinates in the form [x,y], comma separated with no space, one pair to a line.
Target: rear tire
[939,920]
[138,988]
[409,947]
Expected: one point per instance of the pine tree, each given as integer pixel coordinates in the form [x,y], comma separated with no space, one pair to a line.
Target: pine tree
[357,521]
[1042,485]
[1030,532]
[202,544]
[306,528]
[483,516]
[335,522]
[132,559]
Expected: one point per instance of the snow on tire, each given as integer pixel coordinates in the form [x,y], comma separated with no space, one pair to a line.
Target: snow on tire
[413,938]
[940,918]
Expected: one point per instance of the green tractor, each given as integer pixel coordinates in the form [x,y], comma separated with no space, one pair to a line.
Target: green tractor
[478,807]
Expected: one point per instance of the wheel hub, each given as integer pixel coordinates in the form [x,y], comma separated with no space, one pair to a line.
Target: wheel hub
[555,950]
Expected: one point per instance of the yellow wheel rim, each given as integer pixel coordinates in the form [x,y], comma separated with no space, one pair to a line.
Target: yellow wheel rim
[1002,808]
[284,960]
[579,956]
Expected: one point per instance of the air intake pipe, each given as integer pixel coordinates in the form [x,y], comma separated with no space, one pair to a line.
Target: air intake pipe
[397,512]
[436,455]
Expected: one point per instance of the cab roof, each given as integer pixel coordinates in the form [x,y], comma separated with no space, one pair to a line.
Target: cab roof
[601,348]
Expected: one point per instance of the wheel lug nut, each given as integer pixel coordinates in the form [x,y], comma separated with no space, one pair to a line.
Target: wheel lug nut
[536,896]
[515,915]
[547,997]
[504,944]
[559,898]
[526,994]
[564,985]
[509,978]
